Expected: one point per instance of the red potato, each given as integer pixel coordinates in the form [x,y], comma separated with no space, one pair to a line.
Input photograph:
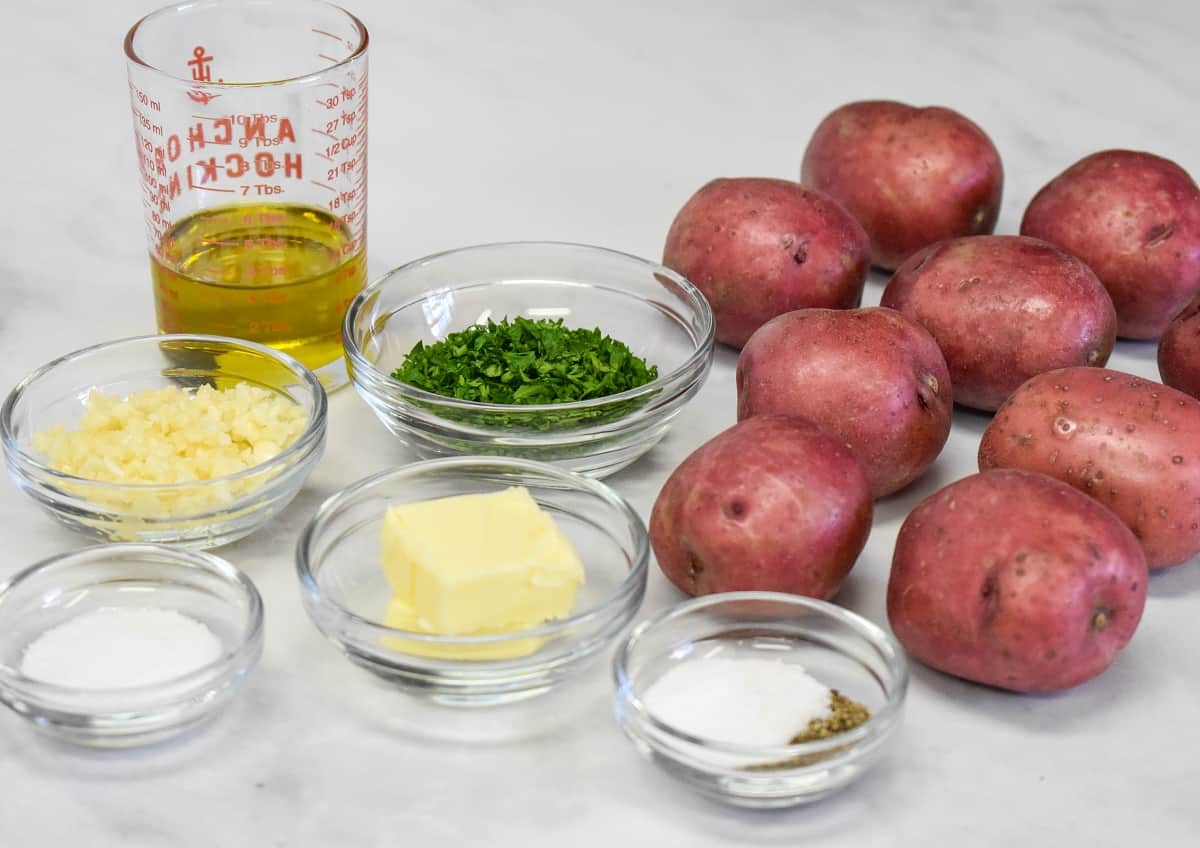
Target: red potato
[1132,444]
[1015,580]
[911,176]
[1179,351]
[773,504]
[1003,308]
[1134,218]
[871,377]
[760,247]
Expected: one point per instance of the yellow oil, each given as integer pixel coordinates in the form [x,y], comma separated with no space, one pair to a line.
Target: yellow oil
[279,274]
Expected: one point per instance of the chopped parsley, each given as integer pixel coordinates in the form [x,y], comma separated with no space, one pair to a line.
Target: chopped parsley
[525,361]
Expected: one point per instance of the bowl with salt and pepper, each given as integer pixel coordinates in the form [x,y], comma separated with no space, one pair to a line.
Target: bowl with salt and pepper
[760,699]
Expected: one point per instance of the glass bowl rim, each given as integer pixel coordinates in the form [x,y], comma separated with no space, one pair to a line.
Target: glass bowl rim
[608,609]
[879,721]
[310,437]
[701,351]
[251,632]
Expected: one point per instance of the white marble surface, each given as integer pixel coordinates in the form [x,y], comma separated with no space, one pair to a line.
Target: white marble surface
[591,122]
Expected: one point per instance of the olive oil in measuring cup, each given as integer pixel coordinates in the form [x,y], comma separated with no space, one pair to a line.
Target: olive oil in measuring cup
[281,274]
[250,120]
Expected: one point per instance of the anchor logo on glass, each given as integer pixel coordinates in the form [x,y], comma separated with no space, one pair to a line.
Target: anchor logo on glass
[201,72]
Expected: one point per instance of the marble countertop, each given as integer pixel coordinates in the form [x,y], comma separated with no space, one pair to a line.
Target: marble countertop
[591,122]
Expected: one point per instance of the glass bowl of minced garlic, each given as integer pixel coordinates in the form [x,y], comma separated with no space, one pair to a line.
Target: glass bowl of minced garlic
[183,439]
[760,699]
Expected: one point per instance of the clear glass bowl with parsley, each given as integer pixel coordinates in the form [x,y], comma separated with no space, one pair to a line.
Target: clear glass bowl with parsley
[564,353]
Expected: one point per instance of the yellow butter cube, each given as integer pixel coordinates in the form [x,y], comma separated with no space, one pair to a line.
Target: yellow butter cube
[482,563]
[400,616]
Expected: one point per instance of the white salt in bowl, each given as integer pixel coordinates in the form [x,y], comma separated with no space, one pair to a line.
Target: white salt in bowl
[123,577]
[842,650]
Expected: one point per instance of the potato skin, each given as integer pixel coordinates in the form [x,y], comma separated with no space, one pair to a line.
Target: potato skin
[1134,218]
[773,504]
[760,247]
[1015,580]
[1003,308]
[911,176]
[871,377]
[1130,443]
[1179,351]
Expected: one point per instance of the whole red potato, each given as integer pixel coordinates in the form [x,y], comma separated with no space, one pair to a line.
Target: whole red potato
[760,247]
[1179,351]
[1015,580]
[911,176]
[871,377]
[1131,443]
[1134,218]
[1003,308]
[774,504]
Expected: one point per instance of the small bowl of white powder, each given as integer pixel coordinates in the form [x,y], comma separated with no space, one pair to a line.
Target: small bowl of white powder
[126,644]
[760,699]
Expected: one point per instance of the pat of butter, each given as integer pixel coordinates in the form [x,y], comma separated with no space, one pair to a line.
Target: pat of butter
[400,616]
[483,563]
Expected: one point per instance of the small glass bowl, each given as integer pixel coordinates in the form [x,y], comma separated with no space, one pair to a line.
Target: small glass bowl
[660,315]
[202,514]
[345,593]
[837,647]
[198,585]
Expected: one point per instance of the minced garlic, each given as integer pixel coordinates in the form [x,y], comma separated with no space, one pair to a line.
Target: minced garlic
[173,435]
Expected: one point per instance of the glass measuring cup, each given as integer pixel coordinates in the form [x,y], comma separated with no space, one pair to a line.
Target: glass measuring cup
[250,118]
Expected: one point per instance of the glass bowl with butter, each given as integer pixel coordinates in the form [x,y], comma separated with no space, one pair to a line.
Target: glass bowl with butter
[654,313]
[473,580]
[760,699]
[183,439]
